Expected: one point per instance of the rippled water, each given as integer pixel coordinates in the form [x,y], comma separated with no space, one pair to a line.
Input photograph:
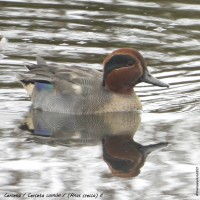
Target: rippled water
[38,158]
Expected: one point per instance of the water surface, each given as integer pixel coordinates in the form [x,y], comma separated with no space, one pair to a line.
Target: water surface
[81,33]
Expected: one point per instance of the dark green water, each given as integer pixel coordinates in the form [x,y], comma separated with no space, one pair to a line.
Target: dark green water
[82,33]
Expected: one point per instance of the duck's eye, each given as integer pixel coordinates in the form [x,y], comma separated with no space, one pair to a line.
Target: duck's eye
[130,63]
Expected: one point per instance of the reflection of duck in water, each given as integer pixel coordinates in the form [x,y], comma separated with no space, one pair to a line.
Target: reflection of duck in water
[123,155]
[77,90]
[62,129]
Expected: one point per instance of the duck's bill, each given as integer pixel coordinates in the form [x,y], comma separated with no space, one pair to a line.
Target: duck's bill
[146,150]
[148,78]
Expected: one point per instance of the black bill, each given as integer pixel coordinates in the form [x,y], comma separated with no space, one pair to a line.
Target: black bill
[148,78]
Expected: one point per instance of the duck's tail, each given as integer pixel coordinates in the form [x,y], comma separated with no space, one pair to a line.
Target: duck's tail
[27,84]
[37,73]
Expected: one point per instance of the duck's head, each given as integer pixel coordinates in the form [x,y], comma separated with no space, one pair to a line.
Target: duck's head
[124,68]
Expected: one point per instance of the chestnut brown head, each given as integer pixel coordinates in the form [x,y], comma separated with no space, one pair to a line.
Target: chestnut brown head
[124,68]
